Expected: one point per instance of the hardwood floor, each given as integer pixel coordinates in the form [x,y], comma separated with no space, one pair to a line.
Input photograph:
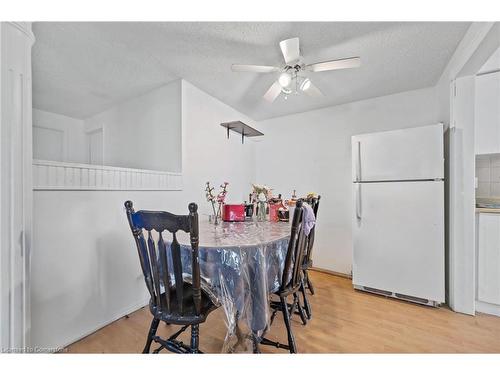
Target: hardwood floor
[344,321]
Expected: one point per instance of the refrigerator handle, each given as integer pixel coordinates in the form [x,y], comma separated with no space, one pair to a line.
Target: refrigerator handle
[358,201]
[358,161]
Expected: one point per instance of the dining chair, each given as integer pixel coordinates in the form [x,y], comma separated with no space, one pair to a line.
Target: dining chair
[307,262]
[174,300]
[290,281]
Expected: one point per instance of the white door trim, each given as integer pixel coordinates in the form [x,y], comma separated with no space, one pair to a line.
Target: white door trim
[462,261]
[16,203]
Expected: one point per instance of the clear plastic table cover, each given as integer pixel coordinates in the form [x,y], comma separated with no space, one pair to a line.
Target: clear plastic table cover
[241,263]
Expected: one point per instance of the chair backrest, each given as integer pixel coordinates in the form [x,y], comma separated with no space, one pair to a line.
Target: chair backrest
[154,257]
[314,202]
[296,246]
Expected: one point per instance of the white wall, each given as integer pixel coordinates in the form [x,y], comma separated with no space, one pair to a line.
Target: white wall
[207,153]
[492,64]
[85,268]
[73,147]
[143,132]
[311,151]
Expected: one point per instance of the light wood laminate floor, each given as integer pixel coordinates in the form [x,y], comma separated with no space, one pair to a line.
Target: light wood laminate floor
[344,321]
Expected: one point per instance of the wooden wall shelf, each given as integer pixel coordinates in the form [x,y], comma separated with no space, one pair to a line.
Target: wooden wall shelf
[241,128]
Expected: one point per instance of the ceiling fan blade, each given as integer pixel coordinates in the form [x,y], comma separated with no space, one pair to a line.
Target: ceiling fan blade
[273,92]
[351,62]
[311,90]
[290,50]
[254,68]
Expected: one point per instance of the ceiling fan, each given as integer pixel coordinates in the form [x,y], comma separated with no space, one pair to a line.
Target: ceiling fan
[292,78]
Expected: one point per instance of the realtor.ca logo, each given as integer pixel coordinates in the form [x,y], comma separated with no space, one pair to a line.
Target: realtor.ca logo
[35,349]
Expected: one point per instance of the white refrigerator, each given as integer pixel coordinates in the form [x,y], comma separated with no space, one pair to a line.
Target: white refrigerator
[398,215]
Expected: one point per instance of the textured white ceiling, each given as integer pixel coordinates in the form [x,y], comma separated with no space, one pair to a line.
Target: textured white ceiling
[80,69]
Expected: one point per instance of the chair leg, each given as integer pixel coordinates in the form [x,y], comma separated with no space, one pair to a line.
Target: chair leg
[152,332]
[195,334]
[307,306]
[273,315]
[296,300]
[309,283]
[292,306]
[286,318]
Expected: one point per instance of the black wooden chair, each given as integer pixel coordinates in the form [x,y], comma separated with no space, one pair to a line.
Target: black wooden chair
[180,303]
[307,262]
[291,281]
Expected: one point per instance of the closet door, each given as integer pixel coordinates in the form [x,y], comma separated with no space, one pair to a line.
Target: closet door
[95,142]
[488,273]
[487,113]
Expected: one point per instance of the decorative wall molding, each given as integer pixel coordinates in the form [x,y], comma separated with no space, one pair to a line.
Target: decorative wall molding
[52,175]
[25,28]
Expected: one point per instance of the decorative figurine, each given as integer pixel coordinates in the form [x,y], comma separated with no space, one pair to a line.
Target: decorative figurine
[261,193]
[311,195]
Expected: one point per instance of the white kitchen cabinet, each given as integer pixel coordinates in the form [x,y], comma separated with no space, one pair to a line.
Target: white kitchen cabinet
[488,269]
[487,113]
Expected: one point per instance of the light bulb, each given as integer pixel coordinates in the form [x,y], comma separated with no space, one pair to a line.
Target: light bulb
[285,79]
[305,85]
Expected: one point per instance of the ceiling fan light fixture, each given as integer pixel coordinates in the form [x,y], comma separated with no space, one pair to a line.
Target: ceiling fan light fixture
[285,79]
[291,78]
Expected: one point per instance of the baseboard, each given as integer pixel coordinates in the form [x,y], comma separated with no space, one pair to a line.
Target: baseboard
[488,308]
[334,273]
[117,316]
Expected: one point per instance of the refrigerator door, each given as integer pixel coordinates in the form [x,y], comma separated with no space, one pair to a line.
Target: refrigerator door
[398,234]
[406,154]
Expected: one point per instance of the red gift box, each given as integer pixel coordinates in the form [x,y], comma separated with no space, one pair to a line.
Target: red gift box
[233,212]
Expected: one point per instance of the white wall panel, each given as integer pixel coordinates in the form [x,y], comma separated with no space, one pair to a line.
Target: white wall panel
[49,175]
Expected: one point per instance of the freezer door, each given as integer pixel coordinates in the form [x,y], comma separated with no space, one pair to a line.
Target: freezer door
[406,154]
[398,238]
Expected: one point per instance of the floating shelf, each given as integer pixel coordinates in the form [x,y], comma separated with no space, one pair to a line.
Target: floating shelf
[241,128]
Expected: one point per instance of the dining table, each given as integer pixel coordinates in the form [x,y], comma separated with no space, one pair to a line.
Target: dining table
[241,265]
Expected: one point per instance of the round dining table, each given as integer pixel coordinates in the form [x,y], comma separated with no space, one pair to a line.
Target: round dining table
[241,265]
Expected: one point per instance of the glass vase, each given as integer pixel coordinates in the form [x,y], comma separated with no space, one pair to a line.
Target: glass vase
[261,212]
